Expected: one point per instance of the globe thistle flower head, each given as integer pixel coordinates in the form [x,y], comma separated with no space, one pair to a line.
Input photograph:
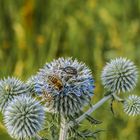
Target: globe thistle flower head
[132,105]
[69,84]
[9,89]
[24,117]
[120,75]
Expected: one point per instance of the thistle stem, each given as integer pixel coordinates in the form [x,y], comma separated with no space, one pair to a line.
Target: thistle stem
[37,137]
[117,98]
[88,112]
[66,125]
[63,129]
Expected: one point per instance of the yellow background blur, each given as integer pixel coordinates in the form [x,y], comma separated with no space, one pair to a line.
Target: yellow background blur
[33,32]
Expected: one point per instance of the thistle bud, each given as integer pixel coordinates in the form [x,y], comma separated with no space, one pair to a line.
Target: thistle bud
[9,89]
[24,117]
[132,105]
[120,75]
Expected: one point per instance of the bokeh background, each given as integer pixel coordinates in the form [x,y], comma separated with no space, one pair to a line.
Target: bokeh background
[33,32]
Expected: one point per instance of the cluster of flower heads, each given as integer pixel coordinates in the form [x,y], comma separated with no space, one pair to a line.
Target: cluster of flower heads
[120,75]
[23,115]
[65,85]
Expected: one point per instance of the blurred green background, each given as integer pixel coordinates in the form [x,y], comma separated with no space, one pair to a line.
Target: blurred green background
[33,32]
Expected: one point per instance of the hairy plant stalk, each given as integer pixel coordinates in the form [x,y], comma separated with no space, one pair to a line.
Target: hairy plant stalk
[37,137]
[63,129]
[66,125]
[93,108]
[88,112]
[117,98]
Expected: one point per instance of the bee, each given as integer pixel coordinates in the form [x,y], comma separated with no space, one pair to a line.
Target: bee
[55,81]
[47,96]
[70,70]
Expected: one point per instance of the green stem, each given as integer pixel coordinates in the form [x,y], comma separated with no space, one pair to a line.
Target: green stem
[117,97]
[66,125]
[91,110]
[63,129]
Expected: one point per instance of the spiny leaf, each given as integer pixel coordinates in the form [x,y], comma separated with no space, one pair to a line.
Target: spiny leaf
[92,120]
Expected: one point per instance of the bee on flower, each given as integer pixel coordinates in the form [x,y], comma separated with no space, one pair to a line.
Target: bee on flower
[68,82]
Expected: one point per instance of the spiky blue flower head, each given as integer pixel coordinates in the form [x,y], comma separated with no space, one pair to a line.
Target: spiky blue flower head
[24,117]
[119,75]
[132,105]
[67,84]
[9,89]
[35,85]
